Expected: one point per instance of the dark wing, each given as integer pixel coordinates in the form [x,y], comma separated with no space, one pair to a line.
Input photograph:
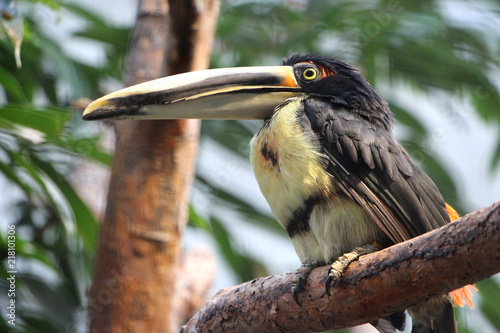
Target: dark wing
[375,171]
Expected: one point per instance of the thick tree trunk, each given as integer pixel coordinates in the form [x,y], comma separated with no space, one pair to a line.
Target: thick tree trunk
[384,282]
[152,172]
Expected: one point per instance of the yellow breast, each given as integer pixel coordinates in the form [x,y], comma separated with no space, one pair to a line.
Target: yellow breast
[287,162]
[291,172]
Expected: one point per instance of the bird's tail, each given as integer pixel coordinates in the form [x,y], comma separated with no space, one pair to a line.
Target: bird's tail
[436,315]
[463,295]
[433,316]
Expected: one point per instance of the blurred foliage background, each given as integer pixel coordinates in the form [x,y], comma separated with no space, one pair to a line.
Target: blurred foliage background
[435,61]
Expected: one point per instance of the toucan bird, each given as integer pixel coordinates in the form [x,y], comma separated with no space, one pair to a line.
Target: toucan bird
[325,159]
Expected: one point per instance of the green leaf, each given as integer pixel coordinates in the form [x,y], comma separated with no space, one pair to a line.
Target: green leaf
[12,86]
[57,304]
[495,160]
[66,68]
[9,172]
[85,221]
[33,323]
[487,101]
[49,121]
[27,249]
[87,15]
[53,4]
[243,207]
[245,267]
[88,147]
[31,170]
[197,220]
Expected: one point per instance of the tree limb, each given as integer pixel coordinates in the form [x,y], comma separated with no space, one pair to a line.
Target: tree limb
[388,281]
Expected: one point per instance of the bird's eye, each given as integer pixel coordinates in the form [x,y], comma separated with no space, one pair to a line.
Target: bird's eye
[309,73]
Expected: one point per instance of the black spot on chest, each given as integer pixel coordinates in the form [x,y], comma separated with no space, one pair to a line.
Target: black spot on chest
[269,154]
[299,223]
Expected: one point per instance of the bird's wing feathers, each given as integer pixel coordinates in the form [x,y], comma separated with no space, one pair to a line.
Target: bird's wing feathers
[370,167]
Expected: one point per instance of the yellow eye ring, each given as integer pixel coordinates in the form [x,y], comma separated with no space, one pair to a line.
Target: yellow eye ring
[309,73]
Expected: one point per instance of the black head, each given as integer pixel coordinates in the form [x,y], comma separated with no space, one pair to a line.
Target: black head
[342,85]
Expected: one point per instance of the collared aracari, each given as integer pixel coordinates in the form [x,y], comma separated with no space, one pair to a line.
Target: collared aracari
[325,159]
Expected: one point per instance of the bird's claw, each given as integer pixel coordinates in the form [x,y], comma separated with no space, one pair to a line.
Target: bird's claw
[300,278]
[333,275]
[296,289]
[328,283]
[338,267]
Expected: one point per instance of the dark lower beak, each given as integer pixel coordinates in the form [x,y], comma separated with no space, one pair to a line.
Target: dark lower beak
[228,93]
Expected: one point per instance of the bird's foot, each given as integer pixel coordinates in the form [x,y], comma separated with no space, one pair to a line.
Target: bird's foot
[300,278]
[343,262]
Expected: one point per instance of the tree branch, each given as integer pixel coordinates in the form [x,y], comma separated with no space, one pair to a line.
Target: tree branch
[388,281]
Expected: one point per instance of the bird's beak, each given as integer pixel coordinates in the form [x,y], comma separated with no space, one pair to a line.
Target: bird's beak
[227,93]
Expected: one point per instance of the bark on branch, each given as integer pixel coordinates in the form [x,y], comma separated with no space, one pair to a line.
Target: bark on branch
[388,281]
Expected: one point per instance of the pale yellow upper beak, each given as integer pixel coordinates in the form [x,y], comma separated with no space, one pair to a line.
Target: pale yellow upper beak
[226,93]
